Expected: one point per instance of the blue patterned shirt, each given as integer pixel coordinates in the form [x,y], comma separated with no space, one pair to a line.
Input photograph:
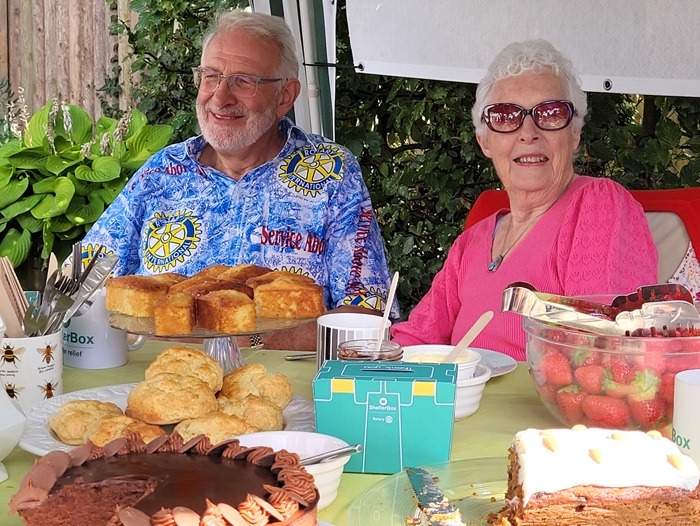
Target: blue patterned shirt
[307,210]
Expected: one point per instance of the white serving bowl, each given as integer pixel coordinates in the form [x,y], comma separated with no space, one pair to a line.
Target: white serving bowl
[466,364]
[326,473]
[471,375]
[469,391]
[11,428]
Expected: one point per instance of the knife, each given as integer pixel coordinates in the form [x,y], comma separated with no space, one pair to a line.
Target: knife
[431,500]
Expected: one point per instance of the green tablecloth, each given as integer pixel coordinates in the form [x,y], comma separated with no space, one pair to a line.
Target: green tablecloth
[508,405]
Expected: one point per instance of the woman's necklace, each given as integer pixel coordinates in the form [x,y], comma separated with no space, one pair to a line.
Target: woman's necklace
[496,262]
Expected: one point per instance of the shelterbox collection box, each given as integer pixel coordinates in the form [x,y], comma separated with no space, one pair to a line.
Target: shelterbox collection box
[401,413]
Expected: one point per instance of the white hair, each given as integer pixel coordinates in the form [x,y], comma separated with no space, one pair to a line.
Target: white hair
[533,56]
[260,24]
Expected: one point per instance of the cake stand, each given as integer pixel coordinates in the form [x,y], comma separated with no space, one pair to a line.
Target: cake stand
[222,347]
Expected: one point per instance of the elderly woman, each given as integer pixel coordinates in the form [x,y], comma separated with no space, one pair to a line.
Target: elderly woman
[565,233]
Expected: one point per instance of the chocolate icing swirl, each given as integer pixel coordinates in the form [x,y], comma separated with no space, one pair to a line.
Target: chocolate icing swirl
[203,446]
[163,517]
[234,450]
[174,443]
[212,516]
[135,443]
[96,453]
[252,512]
[298,482]
[285,459]
[259,454]
[283,504]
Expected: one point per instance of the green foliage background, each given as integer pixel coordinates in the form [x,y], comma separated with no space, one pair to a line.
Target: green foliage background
[414,138]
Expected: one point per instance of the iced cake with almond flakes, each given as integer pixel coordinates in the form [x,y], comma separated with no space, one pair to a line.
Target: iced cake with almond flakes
[591,476]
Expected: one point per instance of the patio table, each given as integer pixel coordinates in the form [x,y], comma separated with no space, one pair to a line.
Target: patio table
[509,404]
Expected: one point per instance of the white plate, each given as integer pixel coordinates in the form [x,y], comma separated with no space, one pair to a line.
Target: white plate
[39,439]
[499,363]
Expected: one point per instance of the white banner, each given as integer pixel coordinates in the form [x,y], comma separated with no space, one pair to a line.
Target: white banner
[620,46]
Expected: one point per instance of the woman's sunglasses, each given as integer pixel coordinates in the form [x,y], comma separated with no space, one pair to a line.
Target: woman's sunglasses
[550,115]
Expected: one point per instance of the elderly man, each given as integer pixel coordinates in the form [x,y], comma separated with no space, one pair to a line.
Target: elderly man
[253,187]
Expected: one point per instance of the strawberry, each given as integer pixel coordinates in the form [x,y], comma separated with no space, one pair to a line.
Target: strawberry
[547,393]
[691,344]
[683,362]
[582,357]
[606,412]
[569,401]
[667,386]
[556,369]
[653,360]
[617,389]
[646,411]
[647,384]
[590,378]
[620,370]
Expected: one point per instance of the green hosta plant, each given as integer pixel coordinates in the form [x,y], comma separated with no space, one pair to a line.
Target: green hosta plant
[61,172]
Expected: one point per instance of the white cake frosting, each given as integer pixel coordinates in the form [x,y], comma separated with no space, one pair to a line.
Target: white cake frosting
[555,459]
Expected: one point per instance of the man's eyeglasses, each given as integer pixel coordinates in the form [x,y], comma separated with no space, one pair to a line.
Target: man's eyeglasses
[550,115]
[240,84]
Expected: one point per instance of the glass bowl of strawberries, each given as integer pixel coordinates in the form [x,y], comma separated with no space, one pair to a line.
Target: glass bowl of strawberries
[620,382]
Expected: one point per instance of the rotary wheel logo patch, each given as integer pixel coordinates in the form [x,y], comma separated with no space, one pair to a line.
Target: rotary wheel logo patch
[170,239]
[369,299]
[308,170]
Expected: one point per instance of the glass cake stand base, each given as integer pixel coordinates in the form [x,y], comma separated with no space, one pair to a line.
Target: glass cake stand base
[225,351]
[222,347]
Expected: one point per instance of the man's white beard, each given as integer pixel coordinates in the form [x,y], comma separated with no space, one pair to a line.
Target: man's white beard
[224,138]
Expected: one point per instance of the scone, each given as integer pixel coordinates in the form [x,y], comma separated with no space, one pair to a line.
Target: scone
[73,419]
[254,410]
[276,388]
[134,295]
[253,378]
[187,361]
[170,398]
[107,429]
[217,426]
[226,312]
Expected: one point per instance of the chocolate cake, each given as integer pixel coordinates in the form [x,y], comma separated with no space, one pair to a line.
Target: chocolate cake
[598,477]
[167,482]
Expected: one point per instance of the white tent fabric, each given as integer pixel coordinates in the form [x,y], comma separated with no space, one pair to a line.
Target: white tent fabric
[620,46]
[303,19]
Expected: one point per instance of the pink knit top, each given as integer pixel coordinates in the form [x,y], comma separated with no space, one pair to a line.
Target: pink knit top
[593,240]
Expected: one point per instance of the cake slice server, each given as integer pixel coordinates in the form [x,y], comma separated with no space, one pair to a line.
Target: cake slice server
[436,507]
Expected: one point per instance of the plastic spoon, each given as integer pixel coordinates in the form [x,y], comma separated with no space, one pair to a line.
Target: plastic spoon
[387,310]
[468,338]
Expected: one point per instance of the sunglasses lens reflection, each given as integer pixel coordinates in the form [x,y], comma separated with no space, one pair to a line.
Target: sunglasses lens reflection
[553,115]
[549,115]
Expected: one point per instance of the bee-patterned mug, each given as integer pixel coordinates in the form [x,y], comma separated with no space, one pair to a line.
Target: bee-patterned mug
[31,369]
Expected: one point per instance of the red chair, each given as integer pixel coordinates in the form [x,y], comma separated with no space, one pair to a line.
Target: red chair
[673,215]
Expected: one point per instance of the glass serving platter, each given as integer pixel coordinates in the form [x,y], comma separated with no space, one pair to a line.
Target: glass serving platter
[475,486]
[222,347]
